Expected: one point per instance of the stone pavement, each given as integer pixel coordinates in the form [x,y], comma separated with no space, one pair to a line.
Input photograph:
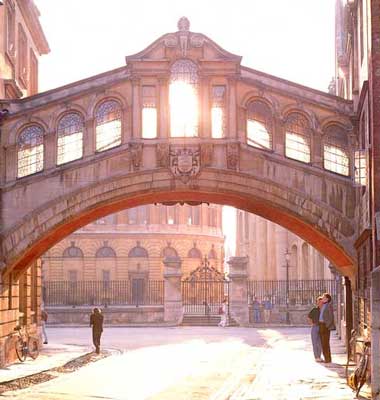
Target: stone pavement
[51,356]
[287,372]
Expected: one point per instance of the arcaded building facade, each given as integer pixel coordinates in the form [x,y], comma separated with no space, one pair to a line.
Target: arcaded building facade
[266,244]
[132,244]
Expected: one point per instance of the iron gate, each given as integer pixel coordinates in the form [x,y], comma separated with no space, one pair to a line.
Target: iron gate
[204,291]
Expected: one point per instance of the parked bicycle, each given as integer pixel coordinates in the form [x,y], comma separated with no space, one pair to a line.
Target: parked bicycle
[361,374]
[25,344]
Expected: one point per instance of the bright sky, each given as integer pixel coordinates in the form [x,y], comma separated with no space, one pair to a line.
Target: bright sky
[292,39]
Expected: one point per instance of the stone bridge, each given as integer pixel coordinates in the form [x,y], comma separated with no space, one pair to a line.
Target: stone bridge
[278,149]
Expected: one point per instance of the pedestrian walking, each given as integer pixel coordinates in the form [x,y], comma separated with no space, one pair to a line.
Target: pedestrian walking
[326,325]
[267,308]
[313,317]
[223,314]
[96,321]
[256,310]
[44,318]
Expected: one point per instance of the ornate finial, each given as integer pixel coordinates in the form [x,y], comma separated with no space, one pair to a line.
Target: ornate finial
[183,24]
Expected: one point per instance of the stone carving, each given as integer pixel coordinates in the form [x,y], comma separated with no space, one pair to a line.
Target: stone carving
[162,155]
[185,163]
[207,152]
[183,24]
[135,150]
[197,40]
[171,40]
[232,151]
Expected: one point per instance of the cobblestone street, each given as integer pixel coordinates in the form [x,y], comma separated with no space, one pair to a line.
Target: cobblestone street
[197,363]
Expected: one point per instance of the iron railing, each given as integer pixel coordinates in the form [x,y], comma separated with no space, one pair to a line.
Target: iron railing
[298,292]
[106,293]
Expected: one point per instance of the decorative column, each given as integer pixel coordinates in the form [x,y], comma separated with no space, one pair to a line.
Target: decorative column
[173,311]
[375,333]
[238,291]
[136,108]
[163,107]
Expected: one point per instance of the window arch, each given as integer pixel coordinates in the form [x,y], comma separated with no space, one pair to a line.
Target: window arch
[105,252]
[297,138]
[169,252]
[335,150]
[212,254]
[138,251]
[30,151]
[108,125]
[72,252]
[183,99]
[259,125]
[70,138]
[194,253]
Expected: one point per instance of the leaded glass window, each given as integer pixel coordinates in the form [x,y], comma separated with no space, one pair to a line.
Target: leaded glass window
[30,151]
[297,138]
[335,156]
[108,125]
[194,253]
[361,167]
[218,113]
[105,252]
[259,125]
[183,99]
[70,138]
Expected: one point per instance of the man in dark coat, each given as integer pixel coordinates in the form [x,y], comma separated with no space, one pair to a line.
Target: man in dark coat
[326,325]
[96,321]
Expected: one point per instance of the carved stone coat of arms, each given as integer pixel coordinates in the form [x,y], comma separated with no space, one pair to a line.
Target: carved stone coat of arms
[184,163]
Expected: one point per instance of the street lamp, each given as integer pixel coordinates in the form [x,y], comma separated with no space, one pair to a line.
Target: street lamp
[287,266]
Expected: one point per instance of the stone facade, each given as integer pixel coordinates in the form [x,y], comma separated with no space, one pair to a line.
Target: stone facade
[265,244]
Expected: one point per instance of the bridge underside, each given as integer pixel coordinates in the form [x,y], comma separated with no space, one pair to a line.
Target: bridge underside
[328,232]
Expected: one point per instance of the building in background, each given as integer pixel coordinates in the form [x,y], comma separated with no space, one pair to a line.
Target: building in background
[266,244]
[132,244]
[23,42]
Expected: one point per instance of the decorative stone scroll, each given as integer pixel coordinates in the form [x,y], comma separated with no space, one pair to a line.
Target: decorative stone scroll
[135,150]
[162,155]
[185,162]
[232,154]
[207,152]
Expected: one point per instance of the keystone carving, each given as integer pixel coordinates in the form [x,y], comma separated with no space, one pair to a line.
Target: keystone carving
[232,151]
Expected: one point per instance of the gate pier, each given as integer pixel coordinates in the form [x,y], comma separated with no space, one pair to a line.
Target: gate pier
[173,311]
[238,303]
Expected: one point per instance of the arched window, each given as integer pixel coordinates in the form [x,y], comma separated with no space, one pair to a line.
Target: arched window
[194,253]
[105,252]
[70,138]
[30,151]
[335,154]
[183,99]
[305,261]
[259,125]
[169,252]
[138,251]
[293,264]
[108,125]
[297,138]
[212,254]
[72,252]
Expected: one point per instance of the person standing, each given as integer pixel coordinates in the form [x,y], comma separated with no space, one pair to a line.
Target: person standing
[267,308]
[256,310]
[44,318]
[315,337]
[326,325]
[96,321]
[223,315]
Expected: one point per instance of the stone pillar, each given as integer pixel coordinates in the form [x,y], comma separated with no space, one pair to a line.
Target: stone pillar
[238,291]
[173,311]
[136,108]
[163,108]
[375,333]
